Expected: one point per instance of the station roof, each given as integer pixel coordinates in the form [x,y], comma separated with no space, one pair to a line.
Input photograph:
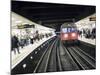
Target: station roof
[51,14]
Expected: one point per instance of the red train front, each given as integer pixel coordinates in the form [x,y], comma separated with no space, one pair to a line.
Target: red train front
[69,33]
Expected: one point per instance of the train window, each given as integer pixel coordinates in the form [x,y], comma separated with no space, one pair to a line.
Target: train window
[73,29]
[65,30]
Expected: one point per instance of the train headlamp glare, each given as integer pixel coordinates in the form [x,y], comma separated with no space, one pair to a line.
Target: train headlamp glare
[73,34]
[65,35]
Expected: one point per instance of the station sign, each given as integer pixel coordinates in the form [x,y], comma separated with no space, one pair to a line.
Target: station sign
[92,18]
[25,26]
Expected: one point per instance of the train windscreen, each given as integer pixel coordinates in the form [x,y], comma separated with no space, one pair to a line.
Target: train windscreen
[67,30]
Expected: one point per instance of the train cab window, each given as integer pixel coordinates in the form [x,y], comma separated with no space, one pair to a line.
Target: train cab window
[66,30]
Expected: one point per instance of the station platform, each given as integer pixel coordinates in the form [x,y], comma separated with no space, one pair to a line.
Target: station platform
[87,40]
[24,52]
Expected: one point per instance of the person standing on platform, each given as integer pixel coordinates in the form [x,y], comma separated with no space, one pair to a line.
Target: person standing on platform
[15,44]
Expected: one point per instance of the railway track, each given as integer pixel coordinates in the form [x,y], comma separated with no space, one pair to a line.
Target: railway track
[67,61]
[45,64]
[60,58]
[57,57]
[82,59]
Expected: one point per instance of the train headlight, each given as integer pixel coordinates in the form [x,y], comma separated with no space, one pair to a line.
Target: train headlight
[65,35]
[73,34]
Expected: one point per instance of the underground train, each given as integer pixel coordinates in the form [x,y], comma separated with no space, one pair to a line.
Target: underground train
[69,33]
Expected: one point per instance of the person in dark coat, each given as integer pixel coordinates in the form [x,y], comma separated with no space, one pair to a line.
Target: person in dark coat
[93,33]
[37,36]
[31,40]
[15,44]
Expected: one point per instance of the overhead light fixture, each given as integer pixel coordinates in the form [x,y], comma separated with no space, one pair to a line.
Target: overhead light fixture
[18,21]
[25,23]
[13,18]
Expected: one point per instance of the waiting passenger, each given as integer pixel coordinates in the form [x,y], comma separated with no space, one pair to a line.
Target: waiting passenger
[93,33]
[22,44]
[15,44]
[31,40]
